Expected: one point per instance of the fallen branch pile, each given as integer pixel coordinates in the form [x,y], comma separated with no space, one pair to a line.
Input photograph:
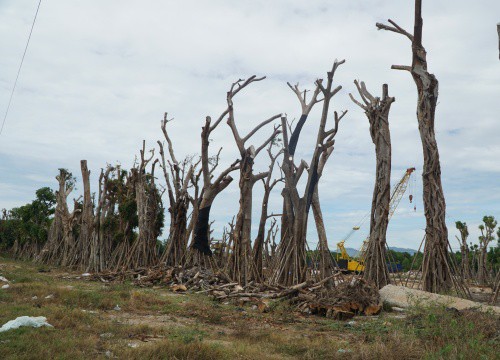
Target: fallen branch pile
[357,296]
[341,301]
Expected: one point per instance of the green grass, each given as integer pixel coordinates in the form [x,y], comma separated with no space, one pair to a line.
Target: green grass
[159,324]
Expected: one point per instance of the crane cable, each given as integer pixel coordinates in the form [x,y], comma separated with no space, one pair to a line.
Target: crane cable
[357,226]
[19,70]
[393,194]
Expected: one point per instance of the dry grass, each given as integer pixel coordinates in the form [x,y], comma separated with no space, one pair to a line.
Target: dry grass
[159,324]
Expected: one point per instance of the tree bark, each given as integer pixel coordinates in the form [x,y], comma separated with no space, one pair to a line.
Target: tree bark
[377,111]
[464,249]
[258,246]
[177,190]
[436,273]
[201,238]
[291,266]
[143,251]
[81,255]
[60,242]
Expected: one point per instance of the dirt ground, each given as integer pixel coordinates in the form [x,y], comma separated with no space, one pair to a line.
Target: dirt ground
[121,321]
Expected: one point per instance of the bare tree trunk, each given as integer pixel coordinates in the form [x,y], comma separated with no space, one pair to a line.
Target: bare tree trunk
[81,254]
[179,201]
[242,267]
[61,242]
[487,231]
[326,262]
[464,249]
[200,246]
[241,256]
[259,240]
[291,267]
[97,255]
[258,245]
[270,246]
[498,31]
[143,251]
[436,273]
[126,218]
[377,111]
[482,272]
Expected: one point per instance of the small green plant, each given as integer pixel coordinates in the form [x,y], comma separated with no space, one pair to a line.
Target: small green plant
[187,335]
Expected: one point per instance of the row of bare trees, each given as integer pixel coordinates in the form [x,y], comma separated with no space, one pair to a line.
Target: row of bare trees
[100,233]
[118,226]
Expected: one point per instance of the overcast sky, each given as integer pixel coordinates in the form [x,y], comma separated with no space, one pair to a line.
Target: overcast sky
[99,75]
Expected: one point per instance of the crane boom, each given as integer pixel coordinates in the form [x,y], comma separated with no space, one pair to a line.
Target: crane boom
[399,190]
[397,194]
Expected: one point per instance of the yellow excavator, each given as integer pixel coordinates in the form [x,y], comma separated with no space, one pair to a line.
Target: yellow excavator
[349,264]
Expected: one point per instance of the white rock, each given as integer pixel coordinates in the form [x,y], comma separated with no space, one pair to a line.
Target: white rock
[86,274]
[89,311]
[6,286]
[3,279]
[117,308]
[404,297]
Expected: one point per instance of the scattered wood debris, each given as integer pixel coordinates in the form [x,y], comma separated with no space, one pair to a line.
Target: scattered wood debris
[349,297]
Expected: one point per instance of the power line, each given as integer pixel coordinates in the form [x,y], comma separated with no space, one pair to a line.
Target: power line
[19,70]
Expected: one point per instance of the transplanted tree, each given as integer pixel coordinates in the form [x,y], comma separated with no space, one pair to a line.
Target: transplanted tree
[436,271]
[101,240]
[487,235]
[241,264]
[61,238]
[290,266]
[269,184]
[150,214]
[177,176]
[81,254]
[200,248]
[464,248]
[377,111]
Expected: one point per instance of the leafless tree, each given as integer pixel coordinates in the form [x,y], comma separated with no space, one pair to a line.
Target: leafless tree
[436,271]
[211,188]
[126,219]
[143,251]
[326,264]
[80,254]
[269,184]
[61,240]
[377,111]
[290,266]
[177,189]
[242,265]
[270,245]
[100,248]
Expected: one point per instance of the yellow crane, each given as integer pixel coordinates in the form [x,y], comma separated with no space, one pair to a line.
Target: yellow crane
[344,261]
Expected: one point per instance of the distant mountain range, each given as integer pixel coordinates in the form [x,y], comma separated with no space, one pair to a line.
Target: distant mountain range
[354,252]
